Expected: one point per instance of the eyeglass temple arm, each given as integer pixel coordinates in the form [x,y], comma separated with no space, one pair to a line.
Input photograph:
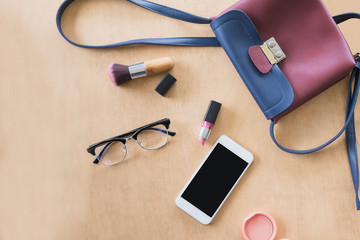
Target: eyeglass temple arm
[135,130]
[96,161]
[162,130]
[162,121]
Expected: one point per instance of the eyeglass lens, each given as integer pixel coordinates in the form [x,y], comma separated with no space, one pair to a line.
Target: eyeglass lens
[111,153]
[153,137]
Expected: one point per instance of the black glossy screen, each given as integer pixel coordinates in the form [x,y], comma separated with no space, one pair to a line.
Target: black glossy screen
[214,180]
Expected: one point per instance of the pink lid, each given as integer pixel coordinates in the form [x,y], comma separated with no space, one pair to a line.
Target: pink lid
[259,226]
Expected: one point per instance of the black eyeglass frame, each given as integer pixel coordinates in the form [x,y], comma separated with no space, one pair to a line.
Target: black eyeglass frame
[135,133]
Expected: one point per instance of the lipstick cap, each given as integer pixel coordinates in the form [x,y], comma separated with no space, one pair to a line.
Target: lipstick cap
[165,84]
[212,112]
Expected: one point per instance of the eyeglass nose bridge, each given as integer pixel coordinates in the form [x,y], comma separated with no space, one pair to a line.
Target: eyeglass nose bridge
[135,138]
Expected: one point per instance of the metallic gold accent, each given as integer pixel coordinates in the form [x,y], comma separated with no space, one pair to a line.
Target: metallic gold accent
[272,51]
[268,54]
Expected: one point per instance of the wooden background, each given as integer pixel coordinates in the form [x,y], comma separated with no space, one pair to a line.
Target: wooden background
[55,100]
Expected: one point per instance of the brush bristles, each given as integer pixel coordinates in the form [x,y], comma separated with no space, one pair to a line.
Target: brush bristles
[118,74]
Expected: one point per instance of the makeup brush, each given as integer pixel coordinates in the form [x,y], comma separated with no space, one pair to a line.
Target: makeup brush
[119,74]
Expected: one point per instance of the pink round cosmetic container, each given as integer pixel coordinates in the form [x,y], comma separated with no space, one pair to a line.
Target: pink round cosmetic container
[259,226]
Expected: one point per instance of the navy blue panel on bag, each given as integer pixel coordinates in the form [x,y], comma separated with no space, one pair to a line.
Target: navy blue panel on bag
[236,34]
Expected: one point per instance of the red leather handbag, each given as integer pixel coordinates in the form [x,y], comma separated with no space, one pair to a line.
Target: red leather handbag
[306,44]
[317,55]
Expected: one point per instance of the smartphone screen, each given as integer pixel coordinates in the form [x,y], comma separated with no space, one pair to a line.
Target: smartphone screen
[214,180]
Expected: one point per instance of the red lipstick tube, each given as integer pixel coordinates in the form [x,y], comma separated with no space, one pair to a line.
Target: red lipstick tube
[209,121]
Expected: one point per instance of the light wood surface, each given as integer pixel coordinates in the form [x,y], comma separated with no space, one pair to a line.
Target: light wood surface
[55,100]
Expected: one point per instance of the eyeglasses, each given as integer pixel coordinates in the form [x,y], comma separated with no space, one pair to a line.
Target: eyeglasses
[150,137]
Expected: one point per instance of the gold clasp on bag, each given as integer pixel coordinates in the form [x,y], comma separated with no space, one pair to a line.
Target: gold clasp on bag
[272,51]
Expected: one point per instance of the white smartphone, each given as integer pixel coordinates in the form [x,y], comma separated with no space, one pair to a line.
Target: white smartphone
[213,181]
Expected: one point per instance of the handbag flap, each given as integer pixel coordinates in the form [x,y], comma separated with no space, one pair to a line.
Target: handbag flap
[236,33]
[317,55]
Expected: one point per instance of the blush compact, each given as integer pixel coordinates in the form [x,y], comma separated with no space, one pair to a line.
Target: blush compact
[259,226]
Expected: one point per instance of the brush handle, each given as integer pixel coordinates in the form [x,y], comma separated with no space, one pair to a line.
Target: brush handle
[158,65]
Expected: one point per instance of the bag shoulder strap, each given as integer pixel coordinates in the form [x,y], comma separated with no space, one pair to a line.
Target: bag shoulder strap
[345,16]
[351,101]
[160,9]
[350,106]
[349,126]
